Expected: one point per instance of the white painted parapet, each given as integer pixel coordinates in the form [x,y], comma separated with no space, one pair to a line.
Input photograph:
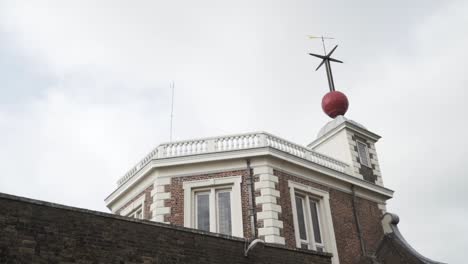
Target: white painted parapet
[234,142]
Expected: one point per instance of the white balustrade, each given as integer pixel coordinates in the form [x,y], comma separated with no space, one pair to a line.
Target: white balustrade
[140,164]
[235,142]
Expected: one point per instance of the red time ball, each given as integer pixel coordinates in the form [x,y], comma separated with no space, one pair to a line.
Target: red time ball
[334,104]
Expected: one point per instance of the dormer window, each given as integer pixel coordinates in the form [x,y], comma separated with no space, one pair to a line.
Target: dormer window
[363,154]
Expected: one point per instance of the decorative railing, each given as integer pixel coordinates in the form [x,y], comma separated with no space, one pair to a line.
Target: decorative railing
[234,142]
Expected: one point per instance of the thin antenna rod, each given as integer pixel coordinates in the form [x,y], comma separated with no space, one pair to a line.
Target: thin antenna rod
[323,44]
[323,38]
[172,109]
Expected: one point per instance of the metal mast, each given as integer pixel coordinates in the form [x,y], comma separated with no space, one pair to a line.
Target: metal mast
[172,110]
[326,60]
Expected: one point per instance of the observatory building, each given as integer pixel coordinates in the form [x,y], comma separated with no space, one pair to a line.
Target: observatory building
[251,198]
[326,197]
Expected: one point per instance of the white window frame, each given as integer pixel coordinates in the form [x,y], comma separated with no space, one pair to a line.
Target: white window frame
[216,198]
[324,214]
[138,211]
[134,207]
[195,206]
[233,183]
[310,234]
[366,150]
[212,192]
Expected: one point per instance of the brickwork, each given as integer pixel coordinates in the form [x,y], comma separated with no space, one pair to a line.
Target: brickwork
[371,226]
[347,239]
[33,231]
[176,203]
[285,201]
[346,234]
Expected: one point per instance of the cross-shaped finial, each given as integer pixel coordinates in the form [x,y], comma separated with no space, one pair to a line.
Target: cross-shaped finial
[326,60]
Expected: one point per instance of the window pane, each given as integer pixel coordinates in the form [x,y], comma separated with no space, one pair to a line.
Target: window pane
[300,218]
[362,151]
[224,212]
[139,214]
[203,211]
[315,221]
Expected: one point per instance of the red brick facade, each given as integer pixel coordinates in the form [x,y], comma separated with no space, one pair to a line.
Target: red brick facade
[176,203]
[346,235]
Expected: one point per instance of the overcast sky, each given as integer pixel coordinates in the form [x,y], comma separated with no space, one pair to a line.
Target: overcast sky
[84,92]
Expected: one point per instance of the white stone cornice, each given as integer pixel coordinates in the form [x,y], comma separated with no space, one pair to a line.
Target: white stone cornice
[230,143]
[242,154]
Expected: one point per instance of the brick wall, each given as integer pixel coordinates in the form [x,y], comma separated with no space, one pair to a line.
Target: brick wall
[347,239]
[33,231]
[177,197]
[285,201]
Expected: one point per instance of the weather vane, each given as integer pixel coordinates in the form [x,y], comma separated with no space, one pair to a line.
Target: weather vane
[326,58]
[334,103]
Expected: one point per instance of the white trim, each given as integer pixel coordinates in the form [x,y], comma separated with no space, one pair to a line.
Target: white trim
[331,183]
[162,181]
[140,202]
[237,154]
[328,233]
[212,182]
[236,201]
[268,201]
[160,195]
[382,207]
[216,193]
[265,199]
[195,207]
